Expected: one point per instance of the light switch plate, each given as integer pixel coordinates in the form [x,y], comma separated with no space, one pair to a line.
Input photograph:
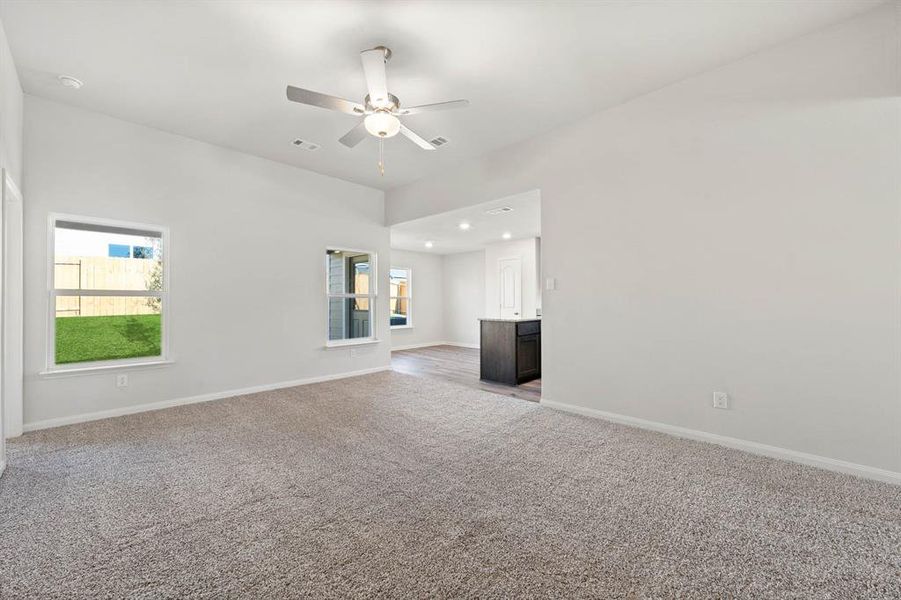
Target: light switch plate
[720,400]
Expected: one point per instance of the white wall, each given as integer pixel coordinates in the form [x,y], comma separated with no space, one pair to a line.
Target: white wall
[428,299]
[451,292]
[249,314]
[11,100]
[527,251]
[464,296]
[739,231]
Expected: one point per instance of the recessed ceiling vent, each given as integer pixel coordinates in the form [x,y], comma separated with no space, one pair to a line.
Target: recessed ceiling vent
[305,145]
[499,211]
[439,141]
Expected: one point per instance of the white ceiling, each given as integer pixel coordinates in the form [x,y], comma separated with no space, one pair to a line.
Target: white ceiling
[443,230]
[217,71]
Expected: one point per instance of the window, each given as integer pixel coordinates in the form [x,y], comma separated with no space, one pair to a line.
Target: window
[401,297]
[108,293]
[351,288]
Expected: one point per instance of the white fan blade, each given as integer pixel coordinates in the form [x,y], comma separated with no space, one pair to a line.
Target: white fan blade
[376,77]
[296,94]
[354,136]
[416,139]
[412,110]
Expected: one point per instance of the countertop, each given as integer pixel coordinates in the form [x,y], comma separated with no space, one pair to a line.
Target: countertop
[514,320]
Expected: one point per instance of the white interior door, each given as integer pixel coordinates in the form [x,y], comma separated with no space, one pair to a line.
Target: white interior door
[510,287]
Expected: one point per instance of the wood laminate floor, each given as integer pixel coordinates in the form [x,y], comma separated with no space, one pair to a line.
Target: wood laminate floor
[458,365]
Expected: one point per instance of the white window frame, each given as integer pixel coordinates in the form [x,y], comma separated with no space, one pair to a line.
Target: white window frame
[52,293]
[408,298]
[372,296]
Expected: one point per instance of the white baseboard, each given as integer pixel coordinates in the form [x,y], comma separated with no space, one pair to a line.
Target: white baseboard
[414,346]
[813,460]
[430,344]
[461,345]
[139,408]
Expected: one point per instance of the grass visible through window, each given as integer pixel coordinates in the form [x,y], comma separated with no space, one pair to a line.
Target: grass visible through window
[83,339]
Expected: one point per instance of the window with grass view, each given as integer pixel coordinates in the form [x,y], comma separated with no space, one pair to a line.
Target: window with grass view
[351,294]
[401,297]
[107,293]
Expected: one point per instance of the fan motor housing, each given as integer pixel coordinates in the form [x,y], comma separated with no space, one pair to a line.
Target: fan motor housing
[393,105]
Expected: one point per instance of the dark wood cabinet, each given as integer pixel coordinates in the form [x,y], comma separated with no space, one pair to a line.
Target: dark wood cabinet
[528,357]
[510,350]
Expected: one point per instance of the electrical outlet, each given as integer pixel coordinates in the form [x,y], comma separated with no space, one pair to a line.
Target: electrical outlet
[122,380]
[720,400]
[359,351]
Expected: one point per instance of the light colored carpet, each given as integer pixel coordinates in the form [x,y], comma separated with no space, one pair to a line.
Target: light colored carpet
[392,485]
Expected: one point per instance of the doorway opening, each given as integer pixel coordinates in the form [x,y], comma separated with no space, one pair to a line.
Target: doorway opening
[462,268]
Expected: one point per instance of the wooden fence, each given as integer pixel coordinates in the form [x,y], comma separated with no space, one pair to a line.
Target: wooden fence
[101,273]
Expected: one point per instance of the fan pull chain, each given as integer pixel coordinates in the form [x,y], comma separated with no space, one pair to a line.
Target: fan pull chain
[381,157]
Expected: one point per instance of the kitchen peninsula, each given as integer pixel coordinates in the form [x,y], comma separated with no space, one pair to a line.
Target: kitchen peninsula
[510,350]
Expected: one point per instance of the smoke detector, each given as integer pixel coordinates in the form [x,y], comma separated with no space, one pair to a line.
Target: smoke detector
[305,144]
[498,211]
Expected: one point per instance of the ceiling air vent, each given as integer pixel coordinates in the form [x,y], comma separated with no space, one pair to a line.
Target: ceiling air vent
[305,145]
[438,141]
[499,211]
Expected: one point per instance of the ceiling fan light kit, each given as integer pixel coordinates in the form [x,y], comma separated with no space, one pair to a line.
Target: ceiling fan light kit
[382,124]
[380,109]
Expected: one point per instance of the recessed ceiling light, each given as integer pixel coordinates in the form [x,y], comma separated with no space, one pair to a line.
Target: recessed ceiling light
[429,244]
[464,225]
[70,82]
[507,235]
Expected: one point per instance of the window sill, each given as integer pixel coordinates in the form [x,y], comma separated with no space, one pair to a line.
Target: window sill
[343,343]
[401,327]
[93,370]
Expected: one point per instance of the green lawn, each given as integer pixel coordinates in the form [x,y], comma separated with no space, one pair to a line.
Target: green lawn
[81,339]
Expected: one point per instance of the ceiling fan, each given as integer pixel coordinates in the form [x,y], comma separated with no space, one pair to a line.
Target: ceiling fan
[379,109]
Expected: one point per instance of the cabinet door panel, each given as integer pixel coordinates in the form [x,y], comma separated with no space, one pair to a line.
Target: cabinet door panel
[528,357]
[528,328]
